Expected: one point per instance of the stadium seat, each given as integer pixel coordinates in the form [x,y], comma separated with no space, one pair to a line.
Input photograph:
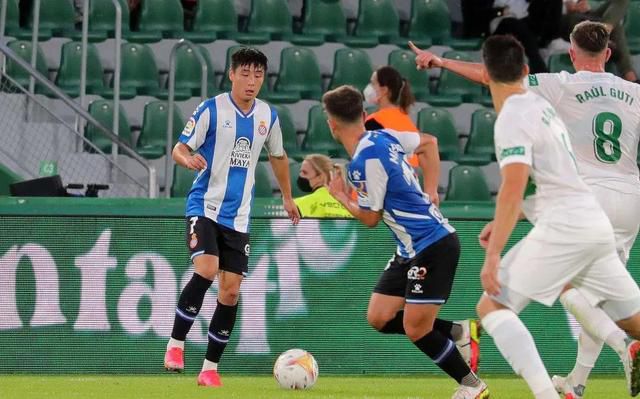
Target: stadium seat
[262,188]
[378,19]
[299,73]
[404,62]
[23,50]
[352,67]
[153,136]
[265,92]
[274,18]
[467,183]
[57,18]
[102,18]
[430,19]
[68,77]
[12,21]
[188,81]
[139,72]
[217,19]
[102,111]
[453,89]
[158,19]
[289,135]
[480,149]
[632,27]
[182,181]
[327,19]
[439,123]
[318,138]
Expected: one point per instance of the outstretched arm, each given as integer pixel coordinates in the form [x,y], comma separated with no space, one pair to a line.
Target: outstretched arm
[473,71]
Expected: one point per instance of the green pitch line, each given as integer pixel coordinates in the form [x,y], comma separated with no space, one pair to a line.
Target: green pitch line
[248,387]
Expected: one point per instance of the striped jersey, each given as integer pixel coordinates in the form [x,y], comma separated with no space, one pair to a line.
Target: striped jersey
[385,181]
[230,141]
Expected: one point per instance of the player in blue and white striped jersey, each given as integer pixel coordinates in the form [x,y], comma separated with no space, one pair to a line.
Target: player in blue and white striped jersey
[222,142]
[417,280]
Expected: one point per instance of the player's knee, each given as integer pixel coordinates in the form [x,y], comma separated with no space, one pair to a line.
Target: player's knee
[229,296]
[376,320]
[416,329]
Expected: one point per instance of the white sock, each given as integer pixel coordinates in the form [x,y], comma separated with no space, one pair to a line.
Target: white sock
[174,343]
[594,320]
[516,345]
[589,348]
[208,365]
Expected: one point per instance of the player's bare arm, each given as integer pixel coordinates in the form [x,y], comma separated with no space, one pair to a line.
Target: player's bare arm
[280,166]
[429,159]
[514,182]
[338,190]
[469,70]
[182,155]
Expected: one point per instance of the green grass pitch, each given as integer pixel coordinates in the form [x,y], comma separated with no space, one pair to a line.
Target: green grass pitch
[248,387]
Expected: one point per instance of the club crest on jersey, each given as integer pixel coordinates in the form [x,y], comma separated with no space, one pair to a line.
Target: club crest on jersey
[262,129]
[188,129]
[241,154]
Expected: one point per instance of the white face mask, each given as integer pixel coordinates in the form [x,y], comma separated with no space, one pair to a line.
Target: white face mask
[370,94]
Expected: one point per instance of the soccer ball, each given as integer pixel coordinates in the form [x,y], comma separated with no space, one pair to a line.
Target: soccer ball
[296,369]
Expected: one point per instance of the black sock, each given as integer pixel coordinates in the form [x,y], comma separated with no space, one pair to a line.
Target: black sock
[222,322]
[444,354]
[394,326]
[189,305]
[448,328]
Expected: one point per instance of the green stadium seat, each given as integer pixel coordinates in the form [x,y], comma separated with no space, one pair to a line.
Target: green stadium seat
[480,149]
[12,21]
[318,138]
[262,188]
[265,92]
[23,50]
[57,18]
[351,67]
[182,181]
[188,81]
[430,19]
[467,183]
[102,17]
[274,18]
[139,72]
[7,177]
[632,27]
[289,135]
[102,111]
[439,123]
[299,73]
[68,77]
[152,141]
[158,19]
[378,19]
[217,19]
[453,89]
[327,19]
[404,62]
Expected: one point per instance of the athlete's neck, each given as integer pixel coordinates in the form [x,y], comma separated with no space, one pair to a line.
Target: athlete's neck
[244,105]
[350,136]
[501,91]
[589,66]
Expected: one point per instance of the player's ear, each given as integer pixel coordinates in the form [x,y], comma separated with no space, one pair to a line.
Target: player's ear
[231,74]
[525,70]
[572,54]
[607,54]
[485,75]
[364,116]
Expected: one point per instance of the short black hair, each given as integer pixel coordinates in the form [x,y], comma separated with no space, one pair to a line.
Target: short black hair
[503,56]
[590,36]
[248,56]
[344,103]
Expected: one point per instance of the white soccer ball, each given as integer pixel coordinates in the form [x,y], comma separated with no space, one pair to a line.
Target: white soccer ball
[296,369]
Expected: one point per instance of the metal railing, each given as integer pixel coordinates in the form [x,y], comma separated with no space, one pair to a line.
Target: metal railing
[152,186]
[171,103]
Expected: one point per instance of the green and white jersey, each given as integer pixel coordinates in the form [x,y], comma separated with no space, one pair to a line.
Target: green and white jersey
[558,202]
[602,113]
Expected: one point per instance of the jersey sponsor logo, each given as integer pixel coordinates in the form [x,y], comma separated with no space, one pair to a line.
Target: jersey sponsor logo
[533,80]
[188,129]
[417,273]
[355,175]
[417,289]
[262,129]
[247,249]
[227,124]
[511,151]
[241,154]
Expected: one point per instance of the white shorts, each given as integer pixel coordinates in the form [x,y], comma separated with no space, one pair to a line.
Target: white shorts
[623,211]
[539,270]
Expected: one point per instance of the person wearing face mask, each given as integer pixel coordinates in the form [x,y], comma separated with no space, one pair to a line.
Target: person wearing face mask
[315,173]
[392,94]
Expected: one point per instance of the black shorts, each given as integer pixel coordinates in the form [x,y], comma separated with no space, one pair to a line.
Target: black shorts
[204,236]
[427,277]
